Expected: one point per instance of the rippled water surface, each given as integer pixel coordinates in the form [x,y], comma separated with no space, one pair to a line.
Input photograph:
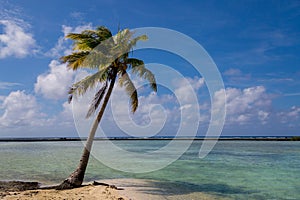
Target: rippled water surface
[233,170]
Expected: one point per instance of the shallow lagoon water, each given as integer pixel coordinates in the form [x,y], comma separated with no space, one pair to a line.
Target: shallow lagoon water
[233,170]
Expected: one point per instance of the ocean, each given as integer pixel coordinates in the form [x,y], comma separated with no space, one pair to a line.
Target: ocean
[232,170]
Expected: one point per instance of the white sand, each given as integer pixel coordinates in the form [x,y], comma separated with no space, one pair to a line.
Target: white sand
[89,192]
[138,189]
[127,189]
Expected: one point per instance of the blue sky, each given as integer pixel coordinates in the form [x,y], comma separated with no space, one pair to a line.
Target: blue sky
[255,45]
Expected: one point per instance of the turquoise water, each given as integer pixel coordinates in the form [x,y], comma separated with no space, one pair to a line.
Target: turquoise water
[234,169]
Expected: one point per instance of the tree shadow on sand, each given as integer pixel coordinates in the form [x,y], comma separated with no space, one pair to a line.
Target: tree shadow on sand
[182,188]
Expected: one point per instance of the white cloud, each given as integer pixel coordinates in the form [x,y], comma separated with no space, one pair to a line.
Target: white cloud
[63,47]
[155,112]
[232,72]
[59,48]
[242,118]
[240,101]
[15,41]
[55,83]
[68,29]
[65,117]
[263,116]
[183,88]
[7,85]
[295,112]
[22,116]
[243,106]
[186,106]
[2,99]
[20,109]
[146,121]
[290,116]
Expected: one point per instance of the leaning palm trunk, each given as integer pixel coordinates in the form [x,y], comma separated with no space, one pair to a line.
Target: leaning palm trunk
[76,178]
[108,69]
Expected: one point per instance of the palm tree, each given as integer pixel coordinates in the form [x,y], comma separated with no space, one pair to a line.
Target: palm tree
[108,55]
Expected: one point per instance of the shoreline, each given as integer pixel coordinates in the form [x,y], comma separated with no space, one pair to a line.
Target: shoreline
[108,189]
[15,190]
[234,138]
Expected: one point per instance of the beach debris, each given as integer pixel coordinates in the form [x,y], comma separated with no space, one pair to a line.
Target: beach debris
[98,183]
[18,185]
[107,185]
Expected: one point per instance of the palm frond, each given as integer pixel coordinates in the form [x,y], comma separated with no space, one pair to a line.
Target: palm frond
[98,49]
[96,101]
[103,33]
[75,60]
[125,81]
[89,82]
[122,36]
[70,98]
[138,67]
[124,42]
[97,59]
[133,42]
[133,62]
[81,36]
[85,45]
[121,41]
[89,39]
[151,78]
[70,92]
[87,59]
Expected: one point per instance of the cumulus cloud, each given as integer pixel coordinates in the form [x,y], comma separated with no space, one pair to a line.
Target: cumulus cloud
[20,109]
[146,121]
[245,105]
[2,99]
[186,88]
[290,116]
[15,41]
[55,83]
[65,117]
[62,46]
[157,111]
[189,111]
[22,115]
[295,112]
[263,116]
[59,48]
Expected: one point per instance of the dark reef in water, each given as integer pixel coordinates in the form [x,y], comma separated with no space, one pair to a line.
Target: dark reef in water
[223,138]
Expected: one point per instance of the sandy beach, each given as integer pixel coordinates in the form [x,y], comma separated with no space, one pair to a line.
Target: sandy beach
[142,189]
[19,190]
[86,192]
[118,189]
